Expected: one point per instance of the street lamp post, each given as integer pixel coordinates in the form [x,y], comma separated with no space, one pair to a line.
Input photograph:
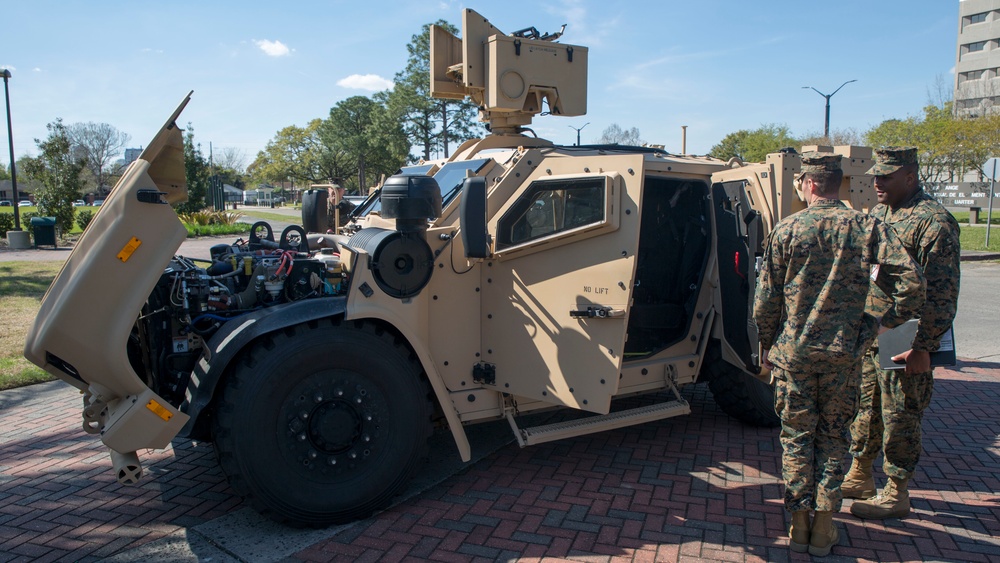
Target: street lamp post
[13,169]
[578,131]
[826,124]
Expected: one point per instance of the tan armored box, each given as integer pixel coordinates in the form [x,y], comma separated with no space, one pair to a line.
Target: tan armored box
[524,71]
[857,185]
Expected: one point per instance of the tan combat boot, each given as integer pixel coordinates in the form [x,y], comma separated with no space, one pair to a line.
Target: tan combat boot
[859,483]
[824,534]
[798,533]
[892,502]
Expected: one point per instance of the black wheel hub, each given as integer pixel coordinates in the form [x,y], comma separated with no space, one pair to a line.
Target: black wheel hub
[335,426]
[332,424]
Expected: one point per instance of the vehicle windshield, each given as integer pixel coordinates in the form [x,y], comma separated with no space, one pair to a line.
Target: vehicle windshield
[449,179]
[451,176]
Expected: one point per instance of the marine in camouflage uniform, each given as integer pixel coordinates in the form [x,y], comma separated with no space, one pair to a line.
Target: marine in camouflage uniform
[810,310]
[893,401]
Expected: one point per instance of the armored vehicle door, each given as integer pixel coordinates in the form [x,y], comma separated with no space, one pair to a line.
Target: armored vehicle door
[739,242]
[557,289]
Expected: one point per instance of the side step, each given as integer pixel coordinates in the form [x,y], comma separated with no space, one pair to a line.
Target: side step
[598,423]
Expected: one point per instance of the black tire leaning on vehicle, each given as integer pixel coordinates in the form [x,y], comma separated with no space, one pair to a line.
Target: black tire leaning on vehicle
[323,423]
[739,394]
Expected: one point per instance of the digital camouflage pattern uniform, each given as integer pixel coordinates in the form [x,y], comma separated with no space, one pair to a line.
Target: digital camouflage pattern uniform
[810,310]
[892,402]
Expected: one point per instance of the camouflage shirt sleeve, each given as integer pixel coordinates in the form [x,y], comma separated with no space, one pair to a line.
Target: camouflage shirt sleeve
[938,252]
[768,300]
[898,276]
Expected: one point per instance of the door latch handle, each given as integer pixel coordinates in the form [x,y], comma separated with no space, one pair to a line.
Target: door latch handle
[598,313]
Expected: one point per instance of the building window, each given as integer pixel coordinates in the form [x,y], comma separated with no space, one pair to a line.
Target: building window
[971,75]
[975,18]
[973,47]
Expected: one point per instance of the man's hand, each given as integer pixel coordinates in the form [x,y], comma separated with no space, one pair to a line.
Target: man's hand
[764,361]
[917,361]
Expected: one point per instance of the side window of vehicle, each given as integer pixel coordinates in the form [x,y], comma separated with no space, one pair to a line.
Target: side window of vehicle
[549,207]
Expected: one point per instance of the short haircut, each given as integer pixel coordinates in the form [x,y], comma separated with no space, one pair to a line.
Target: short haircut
[828,181]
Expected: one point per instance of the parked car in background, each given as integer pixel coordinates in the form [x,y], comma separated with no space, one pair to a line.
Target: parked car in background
[79,203]
[24,203]
[98,202]
[5,203]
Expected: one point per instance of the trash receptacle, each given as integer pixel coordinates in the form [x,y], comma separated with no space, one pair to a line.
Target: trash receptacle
[43,229]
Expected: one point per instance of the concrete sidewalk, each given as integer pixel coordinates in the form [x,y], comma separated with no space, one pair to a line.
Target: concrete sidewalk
[697,487]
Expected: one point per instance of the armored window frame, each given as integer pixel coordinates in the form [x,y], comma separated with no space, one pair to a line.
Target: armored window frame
[550,208]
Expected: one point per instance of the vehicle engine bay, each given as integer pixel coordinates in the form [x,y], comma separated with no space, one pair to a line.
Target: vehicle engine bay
[195,297]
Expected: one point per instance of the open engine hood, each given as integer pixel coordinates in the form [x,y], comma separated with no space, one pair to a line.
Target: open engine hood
[83,325]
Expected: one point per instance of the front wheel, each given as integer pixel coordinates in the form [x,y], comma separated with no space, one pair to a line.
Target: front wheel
[739,394]
[324,424]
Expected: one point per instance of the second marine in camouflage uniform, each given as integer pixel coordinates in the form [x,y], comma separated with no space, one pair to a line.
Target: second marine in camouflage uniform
[893,402]
[810,310]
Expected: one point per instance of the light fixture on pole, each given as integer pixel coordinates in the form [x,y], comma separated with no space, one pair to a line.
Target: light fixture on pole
[578,131]
[10,138]
[826,125]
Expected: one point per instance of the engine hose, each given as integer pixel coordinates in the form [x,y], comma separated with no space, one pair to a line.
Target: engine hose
[248,297]
[205,325]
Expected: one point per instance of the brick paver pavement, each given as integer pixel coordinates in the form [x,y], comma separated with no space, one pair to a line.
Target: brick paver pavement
[700,487]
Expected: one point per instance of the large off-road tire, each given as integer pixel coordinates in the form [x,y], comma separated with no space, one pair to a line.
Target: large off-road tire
[739,394]
[323,423]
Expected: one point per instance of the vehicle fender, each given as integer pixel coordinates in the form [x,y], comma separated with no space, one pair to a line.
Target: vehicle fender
[433,377]
[226,345]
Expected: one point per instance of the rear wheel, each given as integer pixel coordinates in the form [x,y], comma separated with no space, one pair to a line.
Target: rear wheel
[739,394]
[323,424]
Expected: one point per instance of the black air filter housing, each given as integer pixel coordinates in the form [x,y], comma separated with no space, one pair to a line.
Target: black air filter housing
[412,200]
[402,263]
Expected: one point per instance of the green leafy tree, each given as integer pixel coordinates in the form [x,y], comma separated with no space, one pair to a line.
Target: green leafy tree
[433,124]
[755,145]
[197,172]
[366,132]
[300,155]
[59,174]
[4,172]
[949,146]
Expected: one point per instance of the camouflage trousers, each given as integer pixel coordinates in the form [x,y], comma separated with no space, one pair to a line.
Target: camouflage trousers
[889,415]
[816,408]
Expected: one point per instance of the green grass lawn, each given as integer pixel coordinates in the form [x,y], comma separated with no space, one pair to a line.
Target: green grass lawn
[974,238]
[963,218]
[270,216]
[22,285]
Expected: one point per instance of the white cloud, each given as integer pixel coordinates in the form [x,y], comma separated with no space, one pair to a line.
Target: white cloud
[273,48]
[370,82]
[36,69]
[11,68]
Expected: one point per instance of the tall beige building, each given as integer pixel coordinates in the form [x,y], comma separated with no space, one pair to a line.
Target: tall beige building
[977,61]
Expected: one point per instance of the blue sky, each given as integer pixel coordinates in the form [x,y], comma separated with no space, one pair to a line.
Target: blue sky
[716,66]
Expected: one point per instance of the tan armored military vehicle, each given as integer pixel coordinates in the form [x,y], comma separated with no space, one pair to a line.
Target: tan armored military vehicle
[515,276]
